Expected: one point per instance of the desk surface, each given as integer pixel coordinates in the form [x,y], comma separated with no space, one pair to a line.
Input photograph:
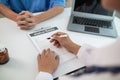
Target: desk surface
[23,55]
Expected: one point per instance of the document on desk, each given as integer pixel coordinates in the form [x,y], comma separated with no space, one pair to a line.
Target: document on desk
[41,40]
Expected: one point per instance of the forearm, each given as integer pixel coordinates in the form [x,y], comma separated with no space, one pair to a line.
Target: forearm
[7,12]
[49,14]
[74,48]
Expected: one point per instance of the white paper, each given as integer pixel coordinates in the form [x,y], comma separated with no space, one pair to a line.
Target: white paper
[41,42]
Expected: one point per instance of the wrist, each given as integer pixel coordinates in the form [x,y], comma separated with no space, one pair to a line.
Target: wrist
[72,47]
[75,48]
[47,71]
[13,17]
[37,20]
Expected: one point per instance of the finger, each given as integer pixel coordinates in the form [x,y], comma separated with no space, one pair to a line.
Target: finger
[57,45]
[23,27]
[30,20]
[52,54]
[28,26]
[27,13]
[57,38]
[55,34]
[58,34]
[22,12]
[22,23]
[21,17]
[43,53]
[39,61]
[52,40]
[47,52]
[39,57]
[55,42]
[57,60]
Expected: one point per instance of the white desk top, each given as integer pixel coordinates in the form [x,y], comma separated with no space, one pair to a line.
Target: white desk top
[23,55]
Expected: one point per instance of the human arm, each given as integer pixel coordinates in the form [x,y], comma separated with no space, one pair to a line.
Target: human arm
[7,12]
[49,14]
[65,42]
[89,55]
[29,22]
[83,52]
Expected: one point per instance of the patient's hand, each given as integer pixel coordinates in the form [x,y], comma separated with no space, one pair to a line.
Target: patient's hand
[64,42]
[26,20]
[47,61]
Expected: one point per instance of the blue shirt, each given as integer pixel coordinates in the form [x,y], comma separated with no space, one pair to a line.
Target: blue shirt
[32,5]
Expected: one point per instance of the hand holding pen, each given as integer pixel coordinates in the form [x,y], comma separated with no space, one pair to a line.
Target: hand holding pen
[61,39]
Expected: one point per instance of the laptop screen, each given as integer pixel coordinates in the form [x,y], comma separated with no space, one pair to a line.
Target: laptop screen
[91,6]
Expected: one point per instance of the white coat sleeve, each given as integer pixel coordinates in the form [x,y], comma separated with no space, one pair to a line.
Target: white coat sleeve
[44,76]
[108,55]
[84,53]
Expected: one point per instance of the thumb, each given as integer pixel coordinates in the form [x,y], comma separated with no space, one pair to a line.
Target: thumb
[22,13]
[57,38]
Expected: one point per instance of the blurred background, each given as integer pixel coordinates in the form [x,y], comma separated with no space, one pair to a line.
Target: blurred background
[69,4]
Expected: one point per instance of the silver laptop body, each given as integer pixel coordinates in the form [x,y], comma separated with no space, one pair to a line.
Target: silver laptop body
[88,16]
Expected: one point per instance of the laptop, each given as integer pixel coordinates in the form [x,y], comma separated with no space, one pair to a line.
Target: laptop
[88,16]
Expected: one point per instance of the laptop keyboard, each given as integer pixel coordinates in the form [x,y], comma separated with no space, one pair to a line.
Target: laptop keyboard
[92,22]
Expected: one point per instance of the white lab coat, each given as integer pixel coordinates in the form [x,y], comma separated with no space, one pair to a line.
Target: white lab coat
[105,56]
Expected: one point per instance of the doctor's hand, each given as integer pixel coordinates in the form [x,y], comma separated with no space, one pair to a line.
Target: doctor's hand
[64,42]
[47,61]
[26,20]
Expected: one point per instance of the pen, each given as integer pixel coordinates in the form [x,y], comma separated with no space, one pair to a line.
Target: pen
[61,36]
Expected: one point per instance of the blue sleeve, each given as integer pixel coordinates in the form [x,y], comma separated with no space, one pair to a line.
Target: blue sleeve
[57,3]
[5,2]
